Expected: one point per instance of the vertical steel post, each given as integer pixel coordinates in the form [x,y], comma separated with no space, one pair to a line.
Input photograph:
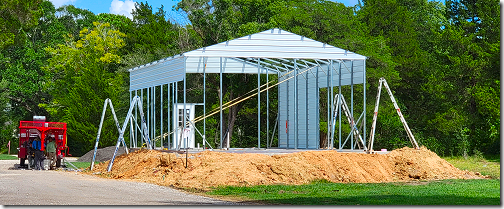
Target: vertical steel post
[288,111]
[364,102]
[185,111]
[220,104]
[339,107]
[148,112]
[278,111]
[161,110]
[136,119]
[141,129]
[352,124]
[169,105]
[328,106]
[306,107]
[258,103]
[154,117]
[176,138]
[318,108]
[131,127]
[331,102]
[267,109]
[296,123]
[204,105]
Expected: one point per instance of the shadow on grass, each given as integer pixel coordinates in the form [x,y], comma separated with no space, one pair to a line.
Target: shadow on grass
[386,200]
[493,158]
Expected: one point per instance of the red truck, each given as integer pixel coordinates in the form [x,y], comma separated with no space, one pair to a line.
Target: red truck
[39,127]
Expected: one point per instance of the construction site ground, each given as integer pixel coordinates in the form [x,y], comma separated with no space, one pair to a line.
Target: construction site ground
[241,167]
[19,186]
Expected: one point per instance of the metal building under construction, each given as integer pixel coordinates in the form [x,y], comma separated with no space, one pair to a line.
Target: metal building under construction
[304,67]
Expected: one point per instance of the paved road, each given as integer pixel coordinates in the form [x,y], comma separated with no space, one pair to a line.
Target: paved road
[28,187]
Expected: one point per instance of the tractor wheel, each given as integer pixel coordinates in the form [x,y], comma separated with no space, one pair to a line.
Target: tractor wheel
[58,163]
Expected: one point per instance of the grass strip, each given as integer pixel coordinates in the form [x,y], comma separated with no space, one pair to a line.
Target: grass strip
[82,165]
[443,192]
[8,157]
[477,164]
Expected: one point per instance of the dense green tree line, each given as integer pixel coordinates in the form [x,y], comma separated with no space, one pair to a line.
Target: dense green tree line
[441,59]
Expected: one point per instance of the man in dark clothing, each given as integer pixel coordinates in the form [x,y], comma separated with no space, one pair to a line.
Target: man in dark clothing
[30,153]
[37,146]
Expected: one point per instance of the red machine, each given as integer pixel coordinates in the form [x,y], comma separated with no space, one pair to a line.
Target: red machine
[38,127]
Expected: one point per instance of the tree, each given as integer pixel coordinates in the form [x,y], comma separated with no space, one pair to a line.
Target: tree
[81,75]
[15,18]
[153,33]
[75,19]
[467,81]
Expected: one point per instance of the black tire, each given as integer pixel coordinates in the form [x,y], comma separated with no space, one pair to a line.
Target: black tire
[58,163]
[22,162]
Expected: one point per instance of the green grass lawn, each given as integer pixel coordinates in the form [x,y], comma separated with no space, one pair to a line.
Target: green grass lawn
[8,157]
[445,192]
[81,165]
[489,167]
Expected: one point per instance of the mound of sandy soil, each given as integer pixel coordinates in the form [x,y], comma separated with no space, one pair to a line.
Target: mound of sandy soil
[212,169]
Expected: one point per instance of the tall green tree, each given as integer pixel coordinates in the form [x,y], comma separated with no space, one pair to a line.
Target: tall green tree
[15,18]
[20,70]
[81,75]
[466,85]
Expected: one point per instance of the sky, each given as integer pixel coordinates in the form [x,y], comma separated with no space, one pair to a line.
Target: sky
[124,7]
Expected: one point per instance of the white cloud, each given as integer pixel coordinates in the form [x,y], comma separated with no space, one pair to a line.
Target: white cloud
[59,3]
[122,7]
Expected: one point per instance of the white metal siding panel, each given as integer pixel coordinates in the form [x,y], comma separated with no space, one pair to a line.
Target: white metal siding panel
[156,74]
[307,123]
[282,106]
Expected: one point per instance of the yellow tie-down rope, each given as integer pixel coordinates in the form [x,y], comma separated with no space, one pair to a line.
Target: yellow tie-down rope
[234,102]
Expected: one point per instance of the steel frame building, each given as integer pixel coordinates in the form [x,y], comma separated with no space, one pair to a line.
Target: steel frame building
[303,66]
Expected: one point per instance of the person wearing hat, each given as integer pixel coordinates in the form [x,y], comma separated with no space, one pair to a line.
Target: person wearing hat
[51,152]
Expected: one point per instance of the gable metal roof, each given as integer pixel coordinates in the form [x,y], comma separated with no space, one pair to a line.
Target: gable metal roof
[274,43]
[270,51]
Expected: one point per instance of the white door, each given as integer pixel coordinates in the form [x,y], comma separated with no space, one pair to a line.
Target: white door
[183,136]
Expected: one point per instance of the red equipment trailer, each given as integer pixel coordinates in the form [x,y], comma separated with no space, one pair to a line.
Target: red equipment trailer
[39,127]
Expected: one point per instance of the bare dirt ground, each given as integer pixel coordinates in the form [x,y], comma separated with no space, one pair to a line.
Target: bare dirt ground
[212,169]
[146,177]
[28,187]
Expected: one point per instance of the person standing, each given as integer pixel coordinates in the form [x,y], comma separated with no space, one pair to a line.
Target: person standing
[37,146]
[51,152]
[31,153]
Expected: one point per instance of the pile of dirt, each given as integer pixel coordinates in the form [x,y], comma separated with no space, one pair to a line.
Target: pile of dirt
[211,169]
[102,154]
